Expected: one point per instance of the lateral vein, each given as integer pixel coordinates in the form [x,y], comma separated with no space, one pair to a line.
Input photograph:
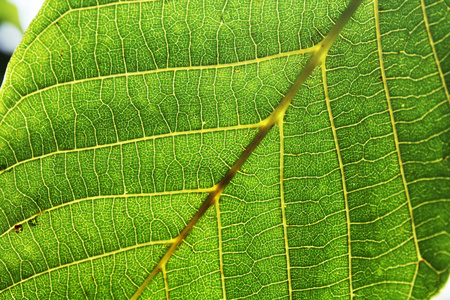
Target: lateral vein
[156,71]
[396,141]
[436,59]
[344,184]
[141,139]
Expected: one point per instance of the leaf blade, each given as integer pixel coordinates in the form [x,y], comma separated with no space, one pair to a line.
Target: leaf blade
[117,124]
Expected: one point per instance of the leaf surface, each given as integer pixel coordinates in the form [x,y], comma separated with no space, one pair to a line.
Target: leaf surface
[118,119]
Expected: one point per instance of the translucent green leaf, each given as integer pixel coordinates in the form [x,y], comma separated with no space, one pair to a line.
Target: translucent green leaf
[165,142]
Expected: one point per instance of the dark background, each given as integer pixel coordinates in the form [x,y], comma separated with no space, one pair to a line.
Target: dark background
[4,59]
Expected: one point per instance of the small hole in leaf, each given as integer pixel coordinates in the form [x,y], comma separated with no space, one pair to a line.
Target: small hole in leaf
[18,228]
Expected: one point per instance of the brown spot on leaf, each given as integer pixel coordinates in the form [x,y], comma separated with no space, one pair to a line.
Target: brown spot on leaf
[18,228]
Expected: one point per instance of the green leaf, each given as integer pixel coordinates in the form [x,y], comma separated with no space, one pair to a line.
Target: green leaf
[9,13]
[122,123]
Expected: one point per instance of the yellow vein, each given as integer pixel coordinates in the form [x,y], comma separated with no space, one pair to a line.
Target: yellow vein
[91,258]
[320,287]
[383,282]
[416,271]
[319,220]
[428,179]
[439,272]
[156,71]
[321,263]
[283,207]
[142,139]
[189,283]
[427,139]
[374,185]
[384,253]
[316,59]
[430,38]
[166,193]
[322,246]
[219,230]
[257,293]
[396,141]
[444,232]
[341,167]
[431,202]
[166,282]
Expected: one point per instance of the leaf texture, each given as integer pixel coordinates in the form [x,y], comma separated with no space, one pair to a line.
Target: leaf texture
[118,118]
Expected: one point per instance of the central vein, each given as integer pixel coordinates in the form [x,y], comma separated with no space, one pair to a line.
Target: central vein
[317,58]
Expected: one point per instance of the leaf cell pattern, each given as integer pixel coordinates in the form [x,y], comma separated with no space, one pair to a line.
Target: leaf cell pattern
[118,118]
